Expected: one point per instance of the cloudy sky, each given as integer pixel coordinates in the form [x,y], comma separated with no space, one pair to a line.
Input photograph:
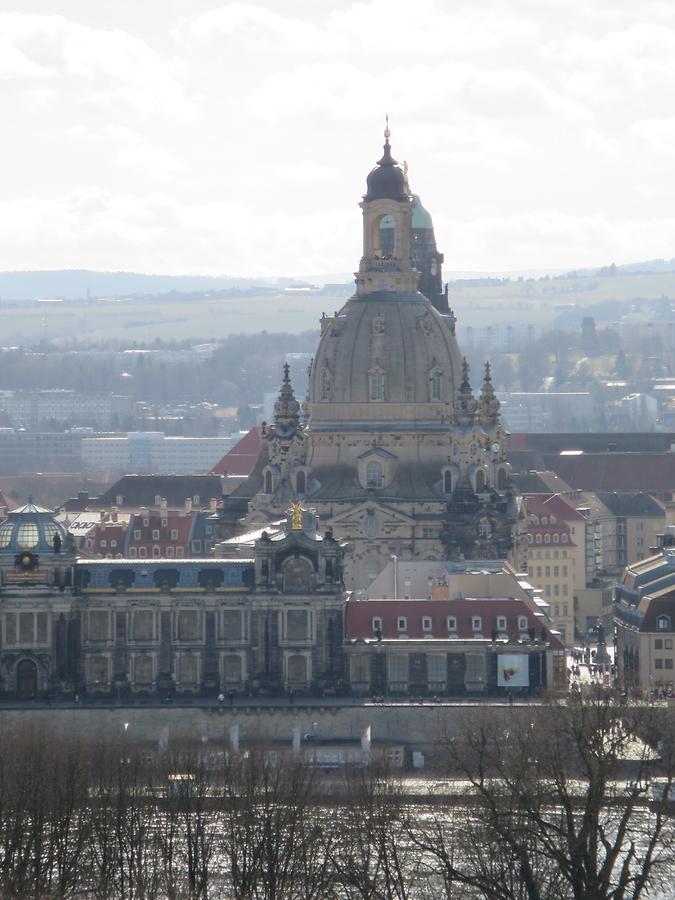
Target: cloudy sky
[191,136]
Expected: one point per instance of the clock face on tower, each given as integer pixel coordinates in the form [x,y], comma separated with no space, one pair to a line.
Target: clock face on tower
[495,447]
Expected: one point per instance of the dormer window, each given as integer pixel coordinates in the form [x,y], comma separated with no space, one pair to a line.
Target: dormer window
[402,624]
[556,538]
[377,626]
[663,623]
[427,624]
[547,538]
[501,623]
[563,538]
[522,623]
[476,623]
[452,623]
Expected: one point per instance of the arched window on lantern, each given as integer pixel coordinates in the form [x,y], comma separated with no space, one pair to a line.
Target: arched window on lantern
[447,482]
[376,384]
[300,482]
[325,384]
[268,482]
[436,385]
[374,475]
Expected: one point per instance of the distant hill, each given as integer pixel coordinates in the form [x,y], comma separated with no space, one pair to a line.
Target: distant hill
[76,284]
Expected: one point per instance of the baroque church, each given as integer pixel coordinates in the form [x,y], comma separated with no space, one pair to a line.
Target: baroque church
[392,448]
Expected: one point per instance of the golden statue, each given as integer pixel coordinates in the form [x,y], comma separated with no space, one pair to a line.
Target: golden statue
[296,516]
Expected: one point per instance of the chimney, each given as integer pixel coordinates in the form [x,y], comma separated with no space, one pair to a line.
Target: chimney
[188,505]
[113,514]
[213,505]
[162,504]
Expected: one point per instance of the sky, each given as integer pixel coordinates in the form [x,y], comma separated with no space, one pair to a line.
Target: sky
[197,137]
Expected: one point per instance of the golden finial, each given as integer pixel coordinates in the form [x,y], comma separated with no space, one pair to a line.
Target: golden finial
[387,133]
[296,516]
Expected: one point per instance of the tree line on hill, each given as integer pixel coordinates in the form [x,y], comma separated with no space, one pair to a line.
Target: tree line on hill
[552,808]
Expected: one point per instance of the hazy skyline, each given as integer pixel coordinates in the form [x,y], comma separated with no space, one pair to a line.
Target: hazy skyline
[187,136]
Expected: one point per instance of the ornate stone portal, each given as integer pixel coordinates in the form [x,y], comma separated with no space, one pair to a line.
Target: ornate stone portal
[395,455]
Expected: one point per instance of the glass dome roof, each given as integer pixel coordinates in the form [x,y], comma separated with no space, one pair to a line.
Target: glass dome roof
[30,527]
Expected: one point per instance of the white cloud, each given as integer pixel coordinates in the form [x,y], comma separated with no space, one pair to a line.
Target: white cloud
[111,64]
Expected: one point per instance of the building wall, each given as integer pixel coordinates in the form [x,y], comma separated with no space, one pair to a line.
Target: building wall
[551,568]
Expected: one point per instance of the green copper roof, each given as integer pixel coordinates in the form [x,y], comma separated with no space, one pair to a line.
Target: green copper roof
[420,217]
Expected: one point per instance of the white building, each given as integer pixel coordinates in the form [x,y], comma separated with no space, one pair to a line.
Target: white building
[153,452]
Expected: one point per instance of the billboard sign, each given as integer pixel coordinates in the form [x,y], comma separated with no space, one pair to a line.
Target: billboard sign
[513,670]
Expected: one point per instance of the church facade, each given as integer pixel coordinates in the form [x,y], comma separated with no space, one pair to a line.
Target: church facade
[391,447]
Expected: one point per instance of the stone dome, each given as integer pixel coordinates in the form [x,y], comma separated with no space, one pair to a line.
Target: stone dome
[30,527]
[398,336]
[386,181]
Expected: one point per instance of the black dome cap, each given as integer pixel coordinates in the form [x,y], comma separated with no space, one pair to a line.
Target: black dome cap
[386,181]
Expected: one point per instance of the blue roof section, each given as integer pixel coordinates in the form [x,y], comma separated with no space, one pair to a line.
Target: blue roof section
[232,574]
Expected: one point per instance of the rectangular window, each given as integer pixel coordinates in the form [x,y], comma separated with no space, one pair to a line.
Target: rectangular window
[169,551]
[522,623]
[297,624]
[555,571]
[99,625]
[658,663]
[398,668]
[668,643]
[104,543]
[143,622]
[137,534]
[548,571]
[658,644]
[401,623]
[155,534]
[426,623]
[565,590]
[437,668]
[376,624]
[132,551]
[452,623]
[231,619]
[501,623]
[113,544]
[475,667]
[196,546]
[26,628]
[669,663]
[180,551]
[188,625]
[476,623]
[156,551]
[174,534]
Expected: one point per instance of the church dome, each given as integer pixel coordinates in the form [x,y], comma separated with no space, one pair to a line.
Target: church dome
[386,181]
[391,356]
[30,527]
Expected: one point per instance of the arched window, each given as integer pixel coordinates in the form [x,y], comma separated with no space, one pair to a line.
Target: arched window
[374,475]
[547,538]
[436,384]
[563,538]
[447,482]
[663,623]
[325,385]
[480,481]
[376,385]
[268,482]
[501,479]
[300,482]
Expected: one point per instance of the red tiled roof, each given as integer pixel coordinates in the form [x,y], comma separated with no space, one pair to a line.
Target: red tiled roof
[553,504]
[359,617]
[241,459]
[182,523]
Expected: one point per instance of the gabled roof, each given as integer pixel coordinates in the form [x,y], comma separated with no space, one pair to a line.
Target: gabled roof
[241,459]
[544,482]
[6,501]
[142,490]
[359,618]
[377,451]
